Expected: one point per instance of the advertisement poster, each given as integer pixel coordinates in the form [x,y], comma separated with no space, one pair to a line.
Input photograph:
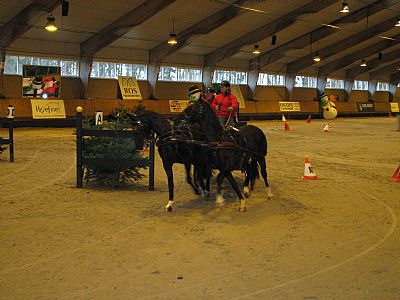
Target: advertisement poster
[129,88]
[368,107]
[41,81]
[178,105]
[394,107]
[289,106]
[235,89]
[48,109]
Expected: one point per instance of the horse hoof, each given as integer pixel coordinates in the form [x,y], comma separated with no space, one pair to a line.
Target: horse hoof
[242,208]
[168,209]
[247,195]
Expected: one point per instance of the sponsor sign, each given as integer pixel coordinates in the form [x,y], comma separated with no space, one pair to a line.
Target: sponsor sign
[41,81]
[365,107]
[129,88]
[394,106]
[178,105]
[289,106]
[48,109]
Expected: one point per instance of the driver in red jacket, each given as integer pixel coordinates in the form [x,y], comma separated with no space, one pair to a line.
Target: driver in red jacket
[225,105]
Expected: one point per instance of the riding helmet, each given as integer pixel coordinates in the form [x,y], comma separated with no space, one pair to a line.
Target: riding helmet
[194,89]
[225,83]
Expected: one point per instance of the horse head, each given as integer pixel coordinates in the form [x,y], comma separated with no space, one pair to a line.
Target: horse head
[196,111]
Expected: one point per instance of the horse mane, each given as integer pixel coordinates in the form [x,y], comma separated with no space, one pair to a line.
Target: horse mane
[211,124]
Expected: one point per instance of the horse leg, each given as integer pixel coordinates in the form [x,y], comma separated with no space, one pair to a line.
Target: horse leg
[235,187]
[170,175]
[189,178]
[219,201]
[246,189]
[263,170]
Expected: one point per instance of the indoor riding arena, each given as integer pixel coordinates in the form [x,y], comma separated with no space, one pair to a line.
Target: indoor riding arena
[319,79]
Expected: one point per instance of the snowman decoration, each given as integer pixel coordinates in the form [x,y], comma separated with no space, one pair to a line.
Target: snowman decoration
[328,107]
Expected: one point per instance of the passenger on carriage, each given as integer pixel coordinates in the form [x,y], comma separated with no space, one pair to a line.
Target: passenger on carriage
[195,94]
[210,95]
[226,105]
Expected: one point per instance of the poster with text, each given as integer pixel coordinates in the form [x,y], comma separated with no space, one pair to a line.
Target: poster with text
[129,88]
[41,82]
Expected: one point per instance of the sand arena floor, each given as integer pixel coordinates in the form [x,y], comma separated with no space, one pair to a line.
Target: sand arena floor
[334,238]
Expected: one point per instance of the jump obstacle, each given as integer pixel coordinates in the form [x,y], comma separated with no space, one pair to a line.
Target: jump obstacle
[82,161]
[10,140]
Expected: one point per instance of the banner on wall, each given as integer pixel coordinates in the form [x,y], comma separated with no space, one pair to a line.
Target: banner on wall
[235,89]
[289,106]
[48,109]
[365,106]
[41,81]
[178,105]
[129,88]
[394,106]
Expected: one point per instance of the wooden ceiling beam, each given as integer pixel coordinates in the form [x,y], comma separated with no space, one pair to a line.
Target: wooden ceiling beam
[389,69]
[264,31]
[320,33]
[205,26]
[358,55]
[306,61]
[122,26]
[25,20]
[373,64]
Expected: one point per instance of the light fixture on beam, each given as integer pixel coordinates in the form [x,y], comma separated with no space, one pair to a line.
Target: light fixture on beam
[51,24]
[345,8]
[317,58]
[172,41]
[256,50]
[398,22]
[398,68]
[363,63]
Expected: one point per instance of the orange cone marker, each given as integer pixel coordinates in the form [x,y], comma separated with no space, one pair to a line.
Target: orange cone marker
[309,173]
[283,118]
[287,126]
[396,175]
[326,128]
[308,119]
[390,114]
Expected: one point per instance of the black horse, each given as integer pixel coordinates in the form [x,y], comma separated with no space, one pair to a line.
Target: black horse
[232,149]
[177,142]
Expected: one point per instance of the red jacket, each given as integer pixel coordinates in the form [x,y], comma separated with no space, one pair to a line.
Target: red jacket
[224,102]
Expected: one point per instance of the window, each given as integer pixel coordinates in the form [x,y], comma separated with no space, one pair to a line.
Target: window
[168,73]
[271,79]
[14,64]
[111,70]
[332,83]
[306,82]
[382,86]
[360,85]
[234,77]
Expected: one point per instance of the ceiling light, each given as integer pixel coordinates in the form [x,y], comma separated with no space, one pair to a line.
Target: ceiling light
[363,63]
[172,39]
[317,58]
[398,22]
[51,25]
[398,68]
[345,8]
[256,49]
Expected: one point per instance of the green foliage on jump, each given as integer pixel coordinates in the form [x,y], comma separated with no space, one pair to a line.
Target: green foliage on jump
[113,161]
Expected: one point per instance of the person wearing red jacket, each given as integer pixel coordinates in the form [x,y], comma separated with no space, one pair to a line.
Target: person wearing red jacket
[225,105]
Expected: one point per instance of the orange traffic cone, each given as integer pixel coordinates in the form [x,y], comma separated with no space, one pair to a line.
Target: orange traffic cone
[287,126]
[308,119]
[283,118]
[326,128]
[390,114]
[396,175]
[309,173]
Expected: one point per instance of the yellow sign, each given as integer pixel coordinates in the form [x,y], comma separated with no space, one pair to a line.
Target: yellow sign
[48,109]
[129,88]
[289,106]
[178,105]
[394,106]
[235,89]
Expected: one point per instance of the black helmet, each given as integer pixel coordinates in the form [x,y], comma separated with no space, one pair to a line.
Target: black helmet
[210,90]
[194,89]
[225,83]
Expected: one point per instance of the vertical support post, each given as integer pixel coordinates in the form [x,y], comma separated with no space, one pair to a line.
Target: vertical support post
[11,138]
[151,167]
[79,170]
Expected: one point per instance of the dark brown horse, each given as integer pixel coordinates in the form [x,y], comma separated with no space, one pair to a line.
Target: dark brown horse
[232,149]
